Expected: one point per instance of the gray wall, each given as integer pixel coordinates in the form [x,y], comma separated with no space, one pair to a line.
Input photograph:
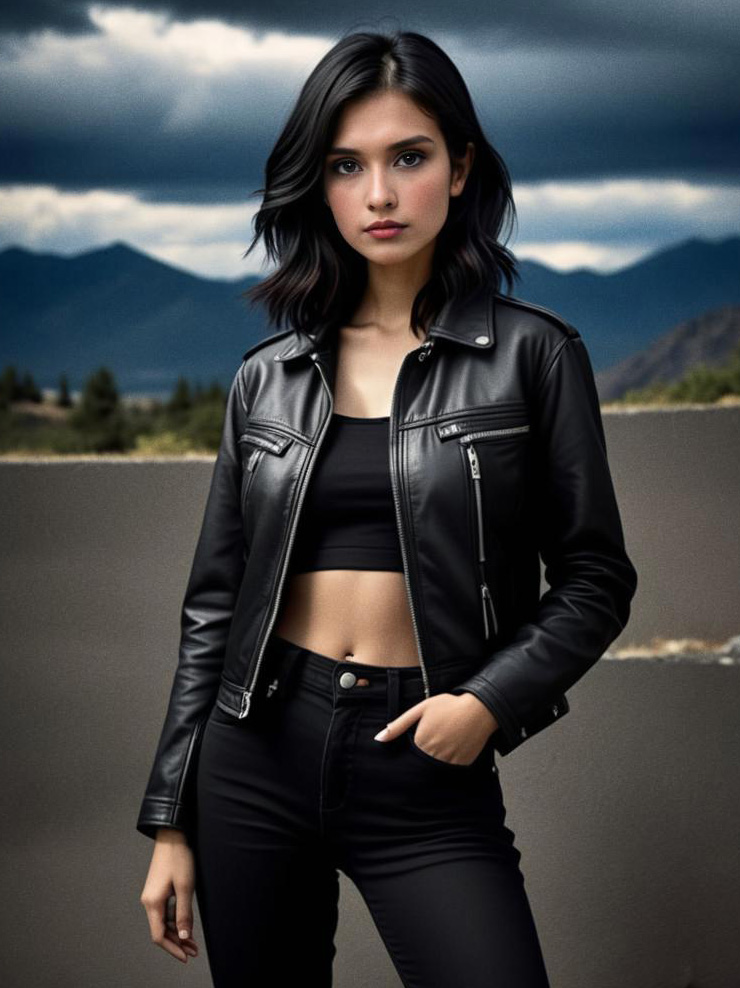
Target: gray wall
[625,811]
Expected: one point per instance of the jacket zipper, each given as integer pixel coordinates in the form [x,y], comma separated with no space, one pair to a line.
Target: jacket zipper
[248,691]
[252,463]
[423,352]
[472,455]
[486,433]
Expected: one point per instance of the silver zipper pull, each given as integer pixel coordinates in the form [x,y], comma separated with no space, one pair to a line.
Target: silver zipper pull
[272,687]
[487,596]
[246,702]
[485,610]
[473,458]
[426,349]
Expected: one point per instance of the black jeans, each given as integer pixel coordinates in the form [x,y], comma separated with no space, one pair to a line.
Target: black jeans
[299,790]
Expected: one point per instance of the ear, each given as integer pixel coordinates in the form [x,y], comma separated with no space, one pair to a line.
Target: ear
[461,168]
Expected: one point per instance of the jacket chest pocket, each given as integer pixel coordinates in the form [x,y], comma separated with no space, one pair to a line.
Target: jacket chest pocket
[254,446]
[492,458]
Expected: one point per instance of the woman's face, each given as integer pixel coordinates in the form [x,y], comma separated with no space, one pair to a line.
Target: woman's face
[367,179]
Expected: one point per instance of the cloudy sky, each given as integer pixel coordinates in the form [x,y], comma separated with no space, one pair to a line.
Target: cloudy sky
[150,124]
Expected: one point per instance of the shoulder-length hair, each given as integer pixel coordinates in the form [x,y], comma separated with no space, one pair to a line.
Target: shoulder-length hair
[319,278]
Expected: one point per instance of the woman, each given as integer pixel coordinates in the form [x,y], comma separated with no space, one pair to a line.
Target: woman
[338,590]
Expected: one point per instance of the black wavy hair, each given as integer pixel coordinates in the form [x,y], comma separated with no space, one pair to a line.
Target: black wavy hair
[319,278]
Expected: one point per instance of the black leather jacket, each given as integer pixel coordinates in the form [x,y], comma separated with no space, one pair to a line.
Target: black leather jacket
[497,456]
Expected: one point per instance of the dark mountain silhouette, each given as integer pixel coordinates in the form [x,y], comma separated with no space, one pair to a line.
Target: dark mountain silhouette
[621,313]
[708,339]
[150,322]
[147,321]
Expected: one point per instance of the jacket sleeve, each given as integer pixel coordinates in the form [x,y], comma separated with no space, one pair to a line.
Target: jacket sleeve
[212,588]
[591,579]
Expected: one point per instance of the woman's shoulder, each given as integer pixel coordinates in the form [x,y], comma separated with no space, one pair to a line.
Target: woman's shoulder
[268,346]
[513,314]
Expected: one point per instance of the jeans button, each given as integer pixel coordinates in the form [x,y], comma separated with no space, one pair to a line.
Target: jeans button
[347,680]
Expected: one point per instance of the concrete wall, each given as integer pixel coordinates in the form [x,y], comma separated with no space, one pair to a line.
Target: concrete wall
[625,811]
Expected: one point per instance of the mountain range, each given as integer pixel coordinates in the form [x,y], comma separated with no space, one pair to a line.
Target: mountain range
[707,339]
[150,322]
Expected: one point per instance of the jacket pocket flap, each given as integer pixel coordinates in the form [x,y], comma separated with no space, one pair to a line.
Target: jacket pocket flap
[273,442]
[492,421]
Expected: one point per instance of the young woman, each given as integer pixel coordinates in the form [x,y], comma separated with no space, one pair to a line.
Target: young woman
[391,469]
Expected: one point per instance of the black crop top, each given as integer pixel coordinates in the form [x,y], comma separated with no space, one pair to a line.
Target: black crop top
[348,519]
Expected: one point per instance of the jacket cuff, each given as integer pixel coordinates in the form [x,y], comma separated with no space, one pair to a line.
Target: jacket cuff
[512,730]
[508,724]
[159,812]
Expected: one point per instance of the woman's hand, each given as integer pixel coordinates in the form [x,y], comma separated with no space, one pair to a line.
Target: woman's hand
[172,871]
[452,728]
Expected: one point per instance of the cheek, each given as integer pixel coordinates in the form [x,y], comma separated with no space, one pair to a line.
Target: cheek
[431,196]
[344,210]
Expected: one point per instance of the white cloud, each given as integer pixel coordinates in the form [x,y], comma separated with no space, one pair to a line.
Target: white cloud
[144,71]
[569,255]
[200,47]
[617,195]
[607,224]
[204,238]
[566,225]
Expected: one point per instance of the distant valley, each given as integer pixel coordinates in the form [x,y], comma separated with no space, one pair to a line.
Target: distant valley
[150,322]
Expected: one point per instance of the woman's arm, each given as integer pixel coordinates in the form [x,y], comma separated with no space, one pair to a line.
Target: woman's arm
[591,578]
[212,588]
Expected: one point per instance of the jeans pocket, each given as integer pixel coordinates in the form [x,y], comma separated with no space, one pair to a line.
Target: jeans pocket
[410,735]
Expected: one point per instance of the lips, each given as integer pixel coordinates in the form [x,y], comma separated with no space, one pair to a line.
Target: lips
[385,225]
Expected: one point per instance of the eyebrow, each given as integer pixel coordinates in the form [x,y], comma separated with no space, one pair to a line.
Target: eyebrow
[418,139]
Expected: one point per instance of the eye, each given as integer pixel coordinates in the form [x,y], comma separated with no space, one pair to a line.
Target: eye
[417,154]
[345,161]
[349,161]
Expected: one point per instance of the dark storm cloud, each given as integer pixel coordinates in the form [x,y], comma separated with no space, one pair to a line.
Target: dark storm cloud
[567,89]
[630,23]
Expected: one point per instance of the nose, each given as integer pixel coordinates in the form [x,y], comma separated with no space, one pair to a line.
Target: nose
[381,194]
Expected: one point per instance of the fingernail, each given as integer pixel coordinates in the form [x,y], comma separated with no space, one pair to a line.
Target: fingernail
[381,734]
[184,934]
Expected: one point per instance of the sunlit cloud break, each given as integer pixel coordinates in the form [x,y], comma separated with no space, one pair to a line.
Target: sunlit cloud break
[601,225]
[199,47]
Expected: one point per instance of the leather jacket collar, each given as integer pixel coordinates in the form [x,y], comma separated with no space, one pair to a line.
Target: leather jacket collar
[464,321]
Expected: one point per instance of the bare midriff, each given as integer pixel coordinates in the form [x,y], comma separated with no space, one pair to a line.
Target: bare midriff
[355,615]
[350,615]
